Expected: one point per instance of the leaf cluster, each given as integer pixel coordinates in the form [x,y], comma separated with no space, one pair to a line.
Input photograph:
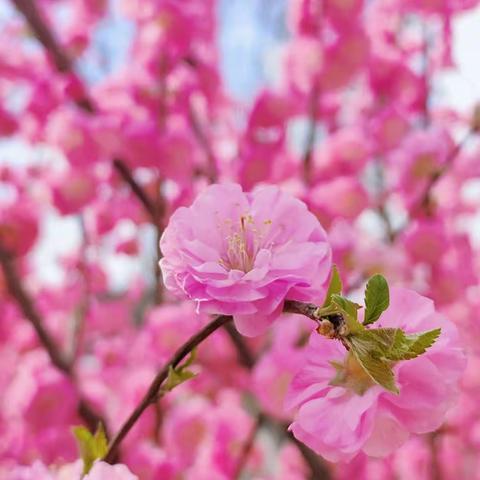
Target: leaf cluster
[375,349]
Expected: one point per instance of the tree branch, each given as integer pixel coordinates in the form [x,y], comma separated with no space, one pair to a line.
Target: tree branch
[139,192]
[212,173]
[45,36]
[25,303]
[63,64]
[426,199]
[311,133]
[245,356]
[154,390]
[151,396]
[317,468]
[247,447]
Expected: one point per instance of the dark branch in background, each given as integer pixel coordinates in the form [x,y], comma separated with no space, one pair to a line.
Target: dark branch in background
[318,469]
[211,173]
[81,310]
[248,447]
[245,356]
[127,176]
[45,36]
[63,64]
[426,74]
[155,388]
[381,209]
[311,133]
[426,199]
[25,303]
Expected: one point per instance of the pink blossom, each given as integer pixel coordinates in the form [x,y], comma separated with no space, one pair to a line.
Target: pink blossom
[339,421]
[342,197]
[18,226]
[102,471]
[243,254]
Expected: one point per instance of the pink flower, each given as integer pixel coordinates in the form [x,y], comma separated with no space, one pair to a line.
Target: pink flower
[340,421]
[102,471]
[243,254]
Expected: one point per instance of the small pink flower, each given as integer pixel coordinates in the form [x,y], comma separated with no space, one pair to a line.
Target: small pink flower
[243,254]
[338,422]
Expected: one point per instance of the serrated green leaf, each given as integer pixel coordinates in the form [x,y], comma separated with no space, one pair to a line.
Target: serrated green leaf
[349,311]
[377,298]
[411,346]
[377,368]
[335,286]
[91,447]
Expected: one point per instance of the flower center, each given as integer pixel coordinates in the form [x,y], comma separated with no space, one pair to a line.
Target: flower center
[351,375]
[243,241]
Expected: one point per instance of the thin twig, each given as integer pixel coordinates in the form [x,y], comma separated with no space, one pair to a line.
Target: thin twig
[311,133]
[212,171]
[26,305]
[62,62]
[318,470]
[436,470]
[302,308]
[81,310]
[311,458]
[127,176]
[426,199]
[45,36]
[152,395]
[247,359]
[248,447]
[426,74]
[155,387]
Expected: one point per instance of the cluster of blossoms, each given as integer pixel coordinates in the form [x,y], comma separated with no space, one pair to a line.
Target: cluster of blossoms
[140,202]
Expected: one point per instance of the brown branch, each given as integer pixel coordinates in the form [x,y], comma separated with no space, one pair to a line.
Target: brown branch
[247,359]
[155,388]
[426,199]
[307,160]
[302,308]
[25,303]
[139,192]
[317,467]
[212,171]
[248,447]
[40,29]
[435,467]
[154,391]
[63,63]
[45,36]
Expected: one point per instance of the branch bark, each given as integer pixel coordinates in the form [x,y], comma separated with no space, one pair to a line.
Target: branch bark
[58,359]
[155,387]
[426,199]
[154,391]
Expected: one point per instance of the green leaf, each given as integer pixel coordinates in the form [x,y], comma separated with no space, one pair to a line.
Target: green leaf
[180,374]
[91,447]
[377,368]
[176,377]
[349,311]
[334,287]
[411,346]
[377,298]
